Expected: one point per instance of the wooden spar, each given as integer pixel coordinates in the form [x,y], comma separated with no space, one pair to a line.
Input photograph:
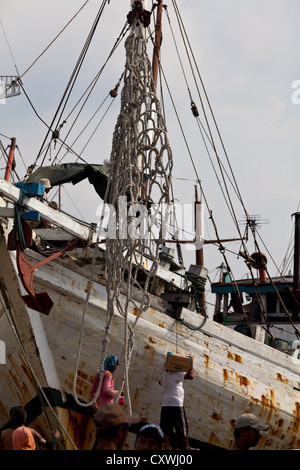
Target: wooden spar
[207,242]
[10,159]
[199,231]
[157,41]
[55,217]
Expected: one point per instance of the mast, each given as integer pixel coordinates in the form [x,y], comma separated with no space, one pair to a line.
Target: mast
[157,41]
[198,229]
[296,280]
[155,67]
[10,159]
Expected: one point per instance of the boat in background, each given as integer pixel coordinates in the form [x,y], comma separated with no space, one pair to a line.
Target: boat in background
[69,297]
[272,302]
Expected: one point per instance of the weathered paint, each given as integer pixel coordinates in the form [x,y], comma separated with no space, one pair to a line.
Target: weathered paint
[234,357]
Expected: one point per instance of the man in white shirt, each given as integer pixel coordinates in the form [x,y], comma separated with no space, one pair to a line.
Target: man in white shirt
[172,410]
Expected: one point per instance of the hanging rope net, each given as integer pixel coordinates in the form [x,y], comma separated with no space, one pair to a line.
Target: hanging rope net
[138,196]
[138,191]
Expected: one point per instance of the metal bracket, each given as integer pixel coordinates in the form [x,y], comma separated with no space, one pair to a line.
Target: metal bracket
[42,301]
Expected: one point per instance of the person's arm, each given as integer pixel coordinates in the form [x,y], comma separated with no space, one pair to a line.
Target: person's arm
[108,386]
[94,386]
[49,445]
[190,373]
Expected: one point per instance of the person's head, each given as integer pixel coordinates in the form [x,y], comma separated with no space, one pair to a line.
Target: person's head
[45,182]
[111,363]
[149,437]
[247,429]
[23,439]
[17,415]
[112,424]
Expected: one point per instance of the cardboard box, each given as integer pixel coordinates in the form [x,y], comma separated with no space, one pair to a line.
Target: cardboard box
[178,363]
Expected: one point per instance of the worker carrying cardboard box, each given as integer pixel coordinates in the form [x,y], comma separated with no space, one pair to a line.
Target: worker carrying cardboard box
[178,363]
[178,368]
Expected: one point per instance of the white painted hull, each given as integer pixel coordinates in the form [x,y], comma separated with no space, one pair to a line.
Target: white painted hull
[233,373]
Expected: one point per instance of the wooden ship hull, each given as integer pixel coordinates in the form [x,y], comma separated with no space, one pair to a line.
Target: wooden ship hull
[233,373]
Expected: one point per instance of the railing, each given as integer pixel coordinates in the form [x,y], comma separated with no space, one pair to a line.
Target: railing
[9,86]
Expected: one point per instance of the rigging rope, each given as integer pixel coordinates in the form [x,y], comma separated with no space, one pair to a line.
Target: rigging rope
[69,148]
[10,50]
[93,83]
[73,77]
[221,166]
[56,37]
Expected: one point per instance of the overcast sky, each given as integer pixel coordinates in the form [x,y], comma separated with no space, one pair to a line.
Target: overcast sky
[248,54]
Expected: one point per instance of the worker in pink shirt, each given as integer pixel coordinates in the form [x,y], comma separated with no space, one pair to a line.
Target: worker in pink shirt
[107,391]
